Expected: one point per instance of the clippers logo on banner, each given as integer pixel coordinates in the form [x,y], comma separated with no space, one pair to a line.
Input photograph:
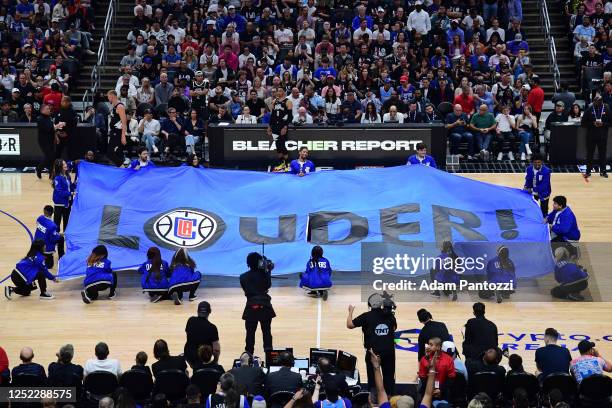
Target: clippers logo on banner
[9,145]
[185,228]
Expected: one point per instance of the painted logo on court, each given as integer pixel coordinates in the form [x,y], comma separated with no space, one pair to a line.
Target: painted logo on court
[185,228]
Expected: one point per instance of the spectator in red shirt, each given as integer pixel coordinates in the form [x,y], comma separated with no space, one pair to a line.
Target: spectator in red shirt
[230,58]
[5,374]
[465,100]
[54,98]
[445,366]
[536,97]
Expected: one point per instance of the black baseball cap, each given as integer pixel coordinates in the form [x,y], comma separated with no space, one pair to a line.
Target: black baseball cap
[585,346]
[203,308]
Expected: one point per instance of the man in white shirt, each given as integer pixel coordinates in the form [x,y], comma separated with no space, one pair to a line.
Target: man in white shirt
[302,117]
[295,97]
[496,29]
[393,116]
[246,118]
[505,125]
[126,79]
[244,56]
[419,19]
[361,31]
[102,362]
[149,128]
[176,31]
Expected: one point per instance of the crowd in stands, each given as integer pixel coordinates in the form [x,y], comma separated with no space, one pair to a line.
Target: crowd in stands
[338,62]
[42,44]
[246,384]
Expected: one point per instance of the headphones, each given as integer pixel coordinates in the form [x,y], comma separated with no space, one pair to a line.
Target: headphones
[381,301]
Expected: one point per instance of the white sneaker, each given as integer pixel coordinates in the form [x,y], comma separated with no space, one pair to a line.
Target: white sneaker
[167,150]
[46,296]
[155,149]
[528,149]
[500,156]
[522,156]
[8,291]
[486,155]
[134,139]
[510,156]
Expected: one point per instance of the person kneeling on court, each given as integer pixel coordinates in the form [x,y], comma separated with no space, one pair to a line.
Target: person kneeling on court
[98,275]
[317,278]
[183,277]
[30,268]
[563,226]
[501,270]
[444,270]
[155,273]
[572,278]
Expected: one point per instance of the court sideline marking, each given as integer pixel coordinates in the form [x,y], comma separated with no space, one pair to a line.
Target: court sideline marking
[318,322]
[25,227]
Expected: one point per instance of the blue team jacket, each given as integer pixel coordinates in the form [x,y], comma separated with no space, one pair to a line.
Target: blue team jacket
[148,282]
[446,273]
[29,268]
[100,272]
[46,230]
[62,190]
[497,274]
[307,167]
[567,272]
[541,186]
[565,226]
[136,162]
[182,274]
[427,161]
[317,275]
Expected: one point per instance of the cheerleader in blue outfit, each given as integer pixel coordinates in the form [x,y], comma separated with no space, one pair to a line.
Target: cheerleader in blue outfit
[317,278]
[63,190]
[501,270]
[183,277]
[444,270]
[31,268]
[98,275]
[155,273]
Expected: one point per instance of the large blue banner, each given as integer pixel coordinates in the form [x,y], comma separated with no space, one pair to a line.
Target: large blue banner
[222,215]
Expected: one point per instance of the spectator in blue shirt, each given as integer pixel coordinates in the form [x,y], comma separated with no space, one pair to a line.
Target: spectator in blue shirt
[456,124]
[563,224]
[234,17]
[171,131]
[421,157]
[572,278]
[324,70]
[455,30]
[27,366]
[361,15]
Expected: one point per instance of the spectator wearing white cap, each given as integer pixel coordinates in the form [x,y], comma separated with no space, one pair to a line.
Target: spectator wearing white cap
[449,348]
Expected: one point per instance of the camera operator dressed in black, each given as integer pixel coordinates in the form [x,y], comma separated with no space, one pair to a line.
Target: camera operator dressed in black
[378,326]
[258,309]
[280,118]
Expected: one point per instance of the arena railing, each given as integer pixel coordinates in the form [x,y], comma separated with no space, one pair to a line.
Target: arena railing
[100,66]
[549,39]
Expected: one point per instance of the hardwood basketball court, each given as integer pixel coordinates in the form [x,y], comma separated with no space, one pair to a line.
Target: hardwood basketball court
[130,323]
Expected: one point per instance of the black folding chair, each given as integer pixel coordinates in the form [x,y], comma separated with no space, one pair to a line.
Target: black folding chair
[206,379]
[487,382]
[458,391]
[99,384]
[28,380]
[564,382]
[73,381]
[138,383]
[595,391]
[526,381]
[280,398]
[445,108]
[172,383]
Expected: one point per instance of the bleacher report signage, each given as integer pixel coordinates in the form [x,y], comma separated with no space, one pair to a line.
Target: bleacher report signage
[9,145]
[328,145]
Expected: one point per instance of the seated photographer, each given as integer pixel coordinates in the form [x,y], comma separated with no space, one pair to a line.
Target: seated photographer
[206,359]
[248,377]
[302,166]
[283,379]
[333,383]
[317,278]
[302,118]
